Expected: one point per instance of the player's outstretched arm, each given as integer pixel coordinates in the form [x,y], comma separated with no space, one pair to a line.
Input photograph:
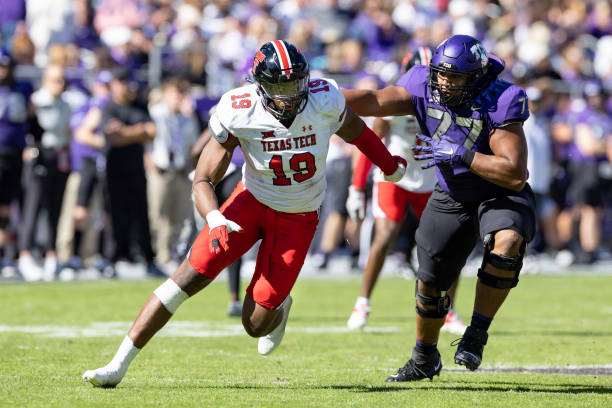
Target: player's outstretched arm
[356,132]
[507,167]
[390,101]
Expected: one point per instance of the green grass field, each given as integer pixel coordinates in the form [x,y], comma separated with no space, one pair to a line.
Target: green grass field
[51,333]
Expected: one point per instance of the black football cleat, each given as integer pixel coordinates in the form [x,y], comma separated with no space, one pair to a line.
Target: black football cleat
[469,350]
[415,371]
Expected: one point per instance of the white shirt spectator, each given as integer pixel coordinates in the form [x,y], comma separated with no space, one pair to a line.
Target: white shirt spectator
[176,133]
[54,117]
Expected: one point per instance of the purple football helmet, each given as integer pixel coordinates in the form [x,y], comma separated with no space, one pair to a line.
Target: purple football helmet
[460,55]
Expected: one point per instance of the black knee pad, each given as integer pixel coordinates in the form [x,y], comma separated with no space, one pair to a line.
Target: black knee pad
[504,262]
[442,304]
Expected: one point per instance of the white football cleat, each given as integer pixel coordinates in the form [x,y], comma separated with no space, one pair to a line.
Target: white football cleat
[107,377]
[359,316]
[453,324]
[272,340]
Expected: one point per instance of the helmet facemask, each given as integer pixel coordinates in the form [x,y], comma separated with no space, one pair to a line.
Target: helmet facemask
[448,94]
[285,99]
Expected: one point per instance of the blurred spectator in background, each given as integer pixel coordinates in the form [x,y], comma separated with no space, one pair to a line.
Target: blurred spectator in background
[12,14]
[85,35]
[112,17]
[592,129]
[47,167]
[127,126]
[177,130]
[192,64]
[375,28]
[186,30]
[14,109]
[539,165]
[86,187]
[49,23]
[23,48]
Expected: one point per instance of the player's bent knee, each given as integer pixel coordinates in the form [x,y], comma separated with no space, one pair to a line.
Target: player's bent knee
[431,307]
[171,295]
[503,263]
[507,242]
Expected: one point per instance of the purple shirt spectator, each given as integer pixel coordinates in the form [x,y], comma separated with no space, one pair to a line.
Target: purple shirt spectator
[600,126]
[78,150]
[14,115]
[12,11]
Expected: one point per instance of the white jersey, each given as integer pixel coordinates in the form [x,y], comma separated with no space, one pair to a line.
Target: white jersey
[284,167]
[402,135]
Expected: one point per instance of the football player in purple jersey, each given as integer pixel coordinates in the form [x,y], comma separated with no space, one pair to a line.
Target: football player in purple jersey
[471,122]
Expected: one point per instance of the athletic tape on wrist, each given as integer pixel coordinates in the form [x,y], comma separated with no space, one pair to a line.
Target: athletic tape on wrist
[215,219]
[171,295]
[468,158]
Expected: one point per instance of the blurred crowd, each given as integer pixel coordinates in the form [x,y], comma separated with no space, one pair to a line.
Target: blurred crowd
[104,107]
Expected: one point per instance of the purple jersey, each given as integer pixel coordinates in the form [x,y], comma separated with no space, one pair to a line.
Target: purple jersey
[499,104]
[600,125]
[78,150]
[14,115]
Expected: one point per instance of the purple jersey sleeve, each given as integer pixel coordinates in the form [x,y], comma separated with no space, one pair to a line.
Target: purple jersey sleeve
[511,107]
[415,81]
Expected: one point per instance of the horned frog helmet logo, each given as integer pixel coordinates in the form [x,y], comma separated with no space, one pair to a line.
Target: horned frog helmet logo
[479,52]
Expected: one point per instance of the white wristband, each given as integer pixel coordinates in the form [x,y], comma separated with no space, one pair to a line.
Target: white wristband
[215,219]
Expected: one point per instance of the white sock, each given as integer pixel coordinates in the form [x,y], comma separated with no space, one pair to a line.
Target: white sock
[125,354]
[362,301]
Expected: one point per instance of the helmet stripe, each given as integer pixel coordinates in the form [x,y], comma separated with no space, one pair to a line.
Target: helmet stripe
[424,55]
[283,56]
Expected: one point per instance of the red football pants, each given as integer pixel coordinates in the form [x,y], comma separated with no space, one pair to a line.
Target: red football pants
[285,241]
[392,200]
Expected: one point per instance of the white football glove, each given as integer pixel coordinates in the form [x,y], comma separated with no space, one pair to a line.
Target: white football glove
[356,203]
[220,227]
[399,173]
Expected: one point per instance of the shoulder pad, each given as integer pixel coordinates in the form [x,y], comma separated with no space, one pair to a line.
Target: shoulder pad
[415,80]
[236,106]
[325,97]
[508,104]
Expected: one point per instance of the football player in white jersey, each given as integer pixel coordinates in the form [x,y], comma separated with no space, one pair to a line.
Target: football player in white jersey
[282,122]
[389,200]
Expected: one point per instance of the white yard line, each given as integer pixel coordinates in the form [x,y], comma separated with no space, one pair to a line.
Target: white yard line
[172,329]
